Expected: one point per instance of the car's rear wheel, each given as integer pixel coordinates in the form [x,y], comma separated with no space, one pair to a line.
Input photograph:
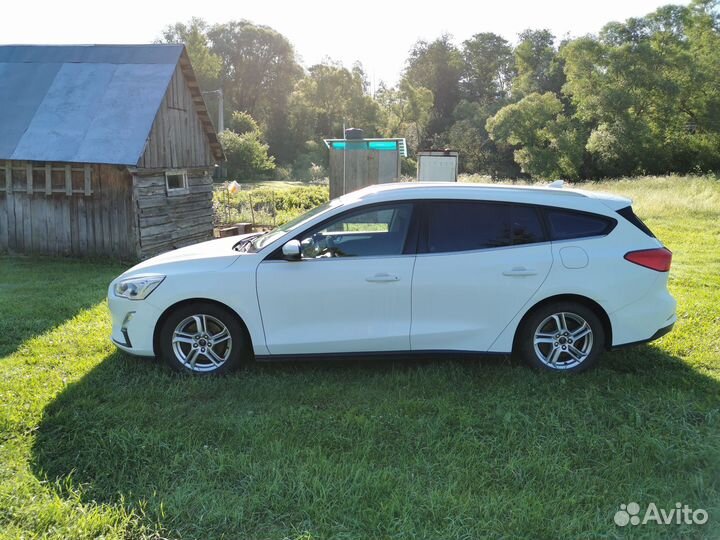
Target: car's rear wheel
[202,338]
[561,336]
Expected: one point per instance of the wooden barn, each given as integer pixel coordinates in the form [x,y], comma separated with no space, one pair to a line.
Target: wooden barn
[104,151]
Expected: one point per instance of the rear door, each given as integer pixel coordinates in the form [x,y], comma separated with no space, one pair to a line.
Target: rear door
[478,264]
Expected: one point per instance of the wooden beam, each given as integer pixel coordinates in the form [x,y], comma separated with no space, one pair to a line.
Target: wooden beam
[29,176]
[8,177]
[68,179]
[48,179]
[88,187]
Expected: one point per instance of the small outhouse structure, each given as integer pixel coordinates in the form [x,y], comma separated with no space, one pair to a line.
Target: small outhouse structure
[356,162]
[437,166]
[105,150]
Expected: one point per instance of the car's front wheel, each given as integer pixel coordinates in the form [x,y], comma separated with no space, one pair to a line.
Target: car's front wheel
[202,338]
[561,336]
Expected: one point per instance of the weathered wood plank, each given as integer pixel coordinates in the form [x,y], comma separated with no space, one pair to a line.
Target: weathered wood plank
[87,178]
[8,235]
[48,179]
[29,177]
[66,226]
[74,226]
[68,179]
[3,222]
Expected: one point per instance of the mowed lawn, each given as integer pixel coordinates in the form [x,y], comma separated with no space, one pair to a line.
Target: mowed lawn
[94,443]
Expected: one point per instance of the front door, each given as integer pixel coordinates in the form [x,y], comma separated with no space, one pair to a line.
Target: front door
[351,290]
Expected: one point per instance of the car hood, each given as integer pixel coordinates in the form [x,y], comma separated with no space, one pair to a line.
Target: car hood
[205,257]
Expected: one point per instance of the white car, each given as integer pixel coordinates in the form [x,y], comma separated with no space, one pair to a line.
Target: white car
[553,275]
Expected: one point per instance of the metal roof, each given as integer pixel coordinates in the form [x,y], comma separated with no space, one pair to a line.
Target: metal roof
[83,103]
[401,144]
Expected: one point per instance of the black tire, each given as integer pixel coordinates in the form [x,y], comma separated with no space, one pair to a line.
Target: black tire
[207,332]
[571,354]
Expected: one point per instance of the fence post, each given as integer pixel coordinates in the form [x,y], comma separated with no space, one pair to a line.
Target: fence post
[252,210]
[274,208]
[226,186]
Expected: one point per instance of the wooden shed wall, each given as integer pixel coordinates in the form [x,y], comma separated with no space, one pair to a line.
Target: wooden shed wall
[169,221]
[177,139]
[97,219]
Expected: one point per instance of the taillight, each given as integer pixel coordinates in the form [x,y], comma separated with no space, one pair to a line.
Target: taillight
[658,259]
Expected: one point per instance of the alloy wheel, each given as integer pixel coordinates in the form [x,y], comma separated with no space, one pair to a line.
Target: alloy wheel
[201,343]
[563,340]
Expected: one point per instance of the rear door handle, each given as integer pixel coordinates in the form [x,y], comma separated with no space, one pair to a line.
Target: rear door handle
[382,278]
[520,271]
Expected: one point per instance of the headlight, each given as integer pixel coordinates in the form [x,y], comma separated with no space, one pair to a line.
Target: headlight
[138,287]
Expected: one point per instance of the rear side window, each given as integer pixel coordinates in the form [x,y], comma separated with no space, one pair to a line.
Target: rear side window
[628,214]
[468,225]
[565,225]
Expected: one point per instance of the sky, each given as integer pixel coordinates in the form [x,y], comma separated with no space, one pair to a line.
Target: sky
[378,34]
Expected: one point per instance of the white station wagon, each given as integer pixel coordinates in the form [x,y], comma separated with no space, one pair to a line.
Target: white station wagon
[553,275]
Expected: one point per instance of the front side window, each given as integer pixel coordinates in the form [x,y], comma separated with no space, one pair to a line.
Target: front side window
[472,225]
[380,231]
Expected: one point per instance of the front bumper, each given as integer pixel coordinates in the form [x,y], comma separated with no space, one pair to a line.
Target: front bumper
[133,324]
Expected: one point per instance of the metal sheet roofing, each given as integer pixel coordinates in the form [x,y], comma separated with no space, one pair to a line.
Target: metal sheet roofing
[81,104]
[372,144]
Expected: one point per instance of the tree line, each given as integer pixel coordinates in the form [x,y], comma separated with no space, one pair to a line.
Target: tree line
[640,97]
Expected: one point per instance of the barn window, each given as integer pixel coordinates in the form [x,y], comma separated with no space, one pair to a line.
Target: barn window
[19,178]
[176,182]
[38,175]
[57,180]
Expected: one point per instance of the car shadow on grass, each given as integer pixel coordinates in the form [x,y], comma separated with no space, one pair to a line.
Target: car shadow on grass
[470,447]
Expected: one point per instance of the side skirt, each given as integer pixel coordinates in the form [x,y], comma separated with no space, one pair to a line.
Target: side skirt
[378,355]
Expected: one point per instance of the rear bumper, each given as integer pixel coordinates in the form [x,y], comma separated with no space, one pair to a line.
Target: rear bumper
[640,321]
[657,335]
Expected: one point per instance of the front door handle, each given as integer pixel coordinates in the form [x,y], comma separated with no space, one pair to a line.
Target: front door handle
[520,271]
[383,277]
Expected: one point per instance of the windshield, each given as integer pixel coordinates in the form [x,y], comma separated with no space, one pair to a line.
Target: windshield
[259,242]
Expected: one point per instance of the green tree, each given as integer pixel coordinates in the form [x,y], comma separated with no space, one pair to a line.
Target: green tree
[437,66]
[247,155]
[478,152]
[193,34]
[489,67]
[245,150]
[648,89]
[329,97]
[405,112]
[539,69]
[241,122]
[548,143]
[259,72]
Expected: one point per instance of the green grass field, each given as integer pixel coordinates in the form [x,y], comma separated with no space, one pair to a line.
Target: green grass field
[94,443]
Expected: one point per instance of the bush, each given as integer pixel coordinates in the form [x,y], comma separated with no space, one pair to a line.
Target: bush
[247,156]
[408,167]
[266,206]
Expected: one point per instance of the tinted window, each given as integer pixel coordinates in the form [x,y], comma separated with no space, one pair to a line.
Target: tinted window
[369,233]
[565,225]
[465,225]
[628,214]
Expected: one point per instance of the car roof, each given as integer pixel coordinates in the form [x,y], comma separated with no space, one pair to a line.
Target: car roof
[538,194]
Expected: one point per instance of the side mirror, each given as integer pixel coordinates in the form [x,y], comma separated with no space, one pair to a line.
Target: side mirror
[291,250]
